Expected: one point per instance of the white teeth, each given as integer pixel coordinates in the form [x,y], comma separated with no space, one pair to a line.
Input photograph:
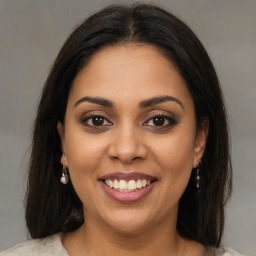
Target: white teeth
[130,186]
[116,184]
[110,183]
[139,184]
[122,184]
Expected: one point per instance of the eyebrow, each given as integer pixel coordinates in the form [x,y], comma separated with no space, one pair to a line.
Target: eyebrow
[160,99]
[96,100]
[144,104]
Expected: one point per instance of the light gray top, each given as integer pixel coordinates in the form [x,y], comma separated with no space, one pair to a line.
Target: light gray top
[52,245]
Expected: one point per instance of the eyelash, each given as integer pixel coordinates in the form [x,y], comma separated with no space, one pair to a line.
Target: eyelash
[86,120]
[171,121]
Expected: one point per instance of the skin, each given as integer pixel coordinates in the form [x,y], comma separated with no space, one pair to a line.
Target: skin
[129,140]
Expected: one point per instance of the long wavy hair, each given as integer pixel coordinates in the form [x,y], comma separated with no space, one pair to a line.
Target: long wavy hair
[51,207]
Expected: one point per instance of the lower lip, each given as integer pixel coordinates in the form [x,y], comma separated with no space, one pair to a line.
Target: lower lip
[127,197]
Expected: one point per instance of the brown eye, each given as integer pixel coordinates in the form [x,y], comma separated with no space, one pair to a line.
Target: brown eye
[159,121]
[96,121]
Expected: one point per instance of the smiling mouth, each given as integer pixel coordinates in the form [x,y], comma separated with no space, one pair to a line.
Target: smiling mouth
[128,186]
[127,182]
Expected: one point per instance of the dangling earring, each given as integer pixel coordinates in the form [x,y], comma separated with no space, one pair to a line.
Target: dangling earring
[64,176]
[198,175]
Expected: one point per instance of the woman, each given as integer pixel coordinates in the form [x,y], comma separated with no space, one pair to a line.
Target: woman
[130,150]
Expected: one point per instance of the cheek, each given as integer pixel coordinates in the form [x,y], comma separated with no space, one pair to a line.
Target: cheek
[175,157]
[84,155]
[84,152]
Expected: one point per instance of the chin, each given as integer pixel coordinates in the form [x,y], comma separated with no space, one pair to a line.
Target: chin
[129,228]
[129,222]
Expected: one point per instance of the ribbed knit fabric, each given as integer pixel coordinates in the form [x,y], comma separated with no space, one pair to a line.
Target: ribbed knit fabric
[51,246]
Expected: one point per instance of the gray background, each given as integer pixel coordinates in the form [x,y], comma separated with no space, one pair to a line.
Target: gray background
[31,33]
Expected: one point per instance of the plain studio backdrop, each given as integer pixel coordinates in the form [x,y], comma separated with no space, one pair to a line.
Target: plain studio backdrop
[31,34]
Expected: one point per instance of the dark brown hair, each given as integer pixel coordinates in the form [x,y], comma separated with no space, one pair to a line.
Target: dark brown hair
[52,207]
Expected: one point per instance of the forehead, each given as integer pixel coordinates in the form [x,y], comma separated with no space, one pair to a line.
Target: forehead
[129,72]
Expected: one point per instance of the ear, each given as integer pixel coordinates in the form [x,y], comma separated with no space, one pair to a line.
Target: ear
[60,129]
[200,142]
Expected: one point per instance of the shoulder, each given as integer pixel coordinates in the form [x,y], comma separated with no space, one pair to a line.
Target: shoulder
[222,251]
[50,245]
[231,252]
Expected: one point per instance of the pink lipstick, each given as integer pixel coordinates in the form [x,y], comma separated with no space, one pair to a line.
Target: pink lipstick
[127,187]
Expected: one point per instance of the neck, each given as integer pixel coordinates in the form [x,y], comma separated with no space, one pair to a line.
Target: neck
[94,238]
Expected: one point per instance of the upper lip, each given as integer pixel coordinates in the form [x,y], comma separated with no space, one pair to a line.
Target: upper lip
[127,176]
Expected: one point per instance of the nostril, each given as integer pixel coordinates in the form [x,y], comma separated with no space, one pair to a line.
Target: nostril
[125,159]
[127,148]
[136,157]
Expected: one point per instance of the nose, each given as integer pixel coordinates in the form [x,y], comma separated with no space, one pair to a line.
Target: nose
[127,145]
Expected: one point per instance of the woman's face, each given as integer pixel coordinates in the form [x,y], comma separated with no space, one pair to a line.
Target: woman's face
[130,139]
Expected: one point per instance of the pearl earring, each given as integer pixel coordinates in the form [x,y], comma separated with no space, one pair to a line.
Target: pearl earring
[64,176]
